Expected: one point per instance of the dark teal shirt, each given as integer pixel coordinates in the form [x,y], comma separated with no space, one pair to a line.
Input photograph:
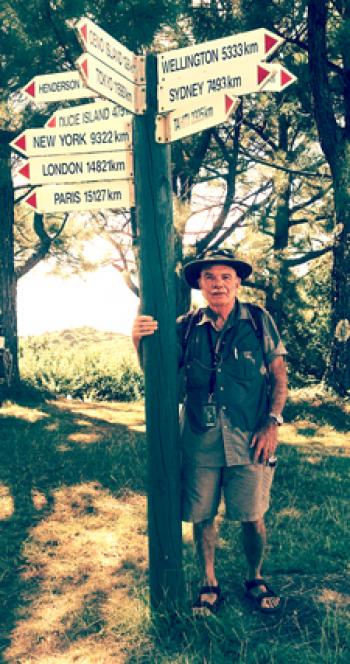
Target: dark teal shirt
[240,390]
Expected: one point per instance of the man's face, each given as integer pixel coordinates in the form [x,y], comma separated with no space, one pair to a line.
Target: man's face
[219,285]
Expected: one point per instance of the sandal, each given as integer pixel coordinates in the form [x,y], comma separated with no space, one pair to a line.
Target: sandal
[257,599]
[203,607]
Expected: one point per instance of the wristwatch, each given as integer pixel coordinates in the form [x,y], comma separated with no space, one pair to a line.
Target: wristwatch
[277,419]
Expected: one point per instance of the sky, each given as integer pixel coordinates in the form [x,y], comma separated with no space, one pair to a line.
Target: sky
[49,303]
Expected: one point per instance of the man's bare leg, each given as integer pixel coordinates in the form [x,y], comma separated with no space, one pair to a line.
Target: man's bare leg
[204,534]
[254,542]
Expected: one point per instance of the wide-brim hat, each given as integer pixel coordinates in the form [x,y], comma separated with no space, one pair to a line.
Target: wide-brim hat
[192,270]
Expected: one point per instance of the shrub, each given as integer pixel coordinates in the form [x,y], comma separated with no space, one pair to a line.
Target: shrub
[82,367]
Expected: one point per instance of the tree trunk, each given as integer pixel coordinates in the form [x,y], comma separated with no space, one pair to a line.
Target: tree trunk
[8,287]
[335,142]
[338,373]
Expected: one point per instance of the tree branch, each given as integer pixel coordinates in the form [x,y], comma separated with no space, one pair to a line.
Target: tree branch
[307,174]
[311,255]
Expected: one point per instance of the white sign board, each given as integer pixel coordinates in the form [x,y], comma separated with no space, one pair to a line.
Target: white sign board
[172,94]
[281,78]
[103,46]
[108,83]
[191,118]
[62,86]
[226,55]
[75,116]
[98,137]
[81,197]
[78,168]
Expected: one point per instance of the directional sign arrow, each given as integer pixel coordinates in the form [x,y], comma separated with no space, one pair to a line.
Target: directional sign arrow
[107,82]
[225,56]
[194,117]
[281,78]
[81,197]
[98,111]
[103,46]
[97,137]
[62,86]
[172,94]
[78,168]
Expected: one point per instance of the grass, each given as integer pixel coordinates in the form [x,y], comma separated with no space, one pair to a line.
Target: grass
[73,544]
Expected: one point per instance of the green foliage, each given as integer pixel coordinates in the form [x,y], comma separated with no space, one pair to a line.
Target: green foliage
[306,324]
[82,364]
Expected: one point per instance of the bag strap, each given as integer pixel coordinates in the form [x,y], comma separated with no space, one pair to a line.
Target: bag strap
[256,314]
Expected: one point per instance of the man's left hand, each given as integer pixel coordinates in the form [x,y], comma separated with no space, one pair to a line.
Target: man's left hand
[265,443]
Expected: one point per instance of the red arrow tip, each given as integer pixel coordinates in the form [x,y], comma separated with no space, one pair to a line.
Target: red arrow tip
[52,122]
[269,42]
[228,103]
[83,31]
[30,89]
[84,66]
[31,200]
[25,171]
[21,142]
[262,73]
[285,77]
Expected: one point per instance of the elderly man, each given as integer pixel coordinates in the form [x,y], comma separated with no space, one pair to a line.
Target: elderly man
[235,386]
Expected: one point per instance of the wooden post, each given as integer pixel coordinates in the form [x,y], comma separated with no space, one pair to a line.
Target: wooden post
[153,195]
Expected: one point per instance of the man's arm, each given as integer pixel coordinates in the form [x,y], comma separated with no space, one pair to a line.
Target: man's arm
[265,440]
[279,384]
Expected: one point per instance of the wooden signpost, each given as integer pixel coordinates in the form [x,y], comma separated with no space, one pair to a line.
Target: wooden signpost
[62,86]
[83,196]
[112,85]
[100,136]
[82,160]
[190,118]
[86,114]
[78,167]
[206,86]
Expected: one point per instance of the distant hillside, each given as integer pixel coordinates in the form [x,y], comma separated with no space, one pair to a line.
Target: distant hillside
[81,338]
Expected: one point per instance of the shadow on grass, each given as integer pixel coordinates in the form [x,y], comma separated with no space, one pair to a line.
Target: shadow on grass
[49,447]
[319,410]
[46,446]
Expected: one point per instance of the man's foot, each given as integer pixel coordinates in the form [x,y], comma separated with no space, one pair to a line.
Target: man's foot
[262,596]
[208,601]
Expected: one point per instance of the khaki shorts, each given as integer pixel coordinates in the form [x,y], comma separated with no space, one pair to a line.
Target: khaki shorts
[246,492]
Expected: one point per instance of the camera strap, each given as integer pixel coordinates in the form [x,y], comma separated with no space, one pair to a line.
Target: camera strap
[216,352]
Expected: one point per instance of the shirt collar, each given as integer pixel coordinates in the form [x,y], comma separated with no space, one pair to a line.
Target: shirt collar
[210,316]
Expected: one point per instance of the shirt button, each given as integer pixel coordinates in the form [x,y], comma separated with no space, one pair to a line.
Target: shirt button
[221,388]
[224,408]
[219,370]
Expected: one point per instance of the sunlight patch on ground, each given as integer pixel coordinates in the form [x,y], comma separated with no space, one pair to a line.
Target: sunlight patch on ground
[130,414]
[290,512]
[329,596]
[84,438]
[22,413]
[87,560]
[39,499]
[302,432]
[7,505]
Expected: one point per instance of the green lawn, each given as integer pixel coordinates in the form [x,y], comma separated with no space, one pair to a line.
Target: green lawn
[73,554]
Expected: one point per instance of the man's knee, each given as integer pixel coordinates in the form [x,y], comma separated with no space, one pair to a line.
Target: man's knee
[206,524]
